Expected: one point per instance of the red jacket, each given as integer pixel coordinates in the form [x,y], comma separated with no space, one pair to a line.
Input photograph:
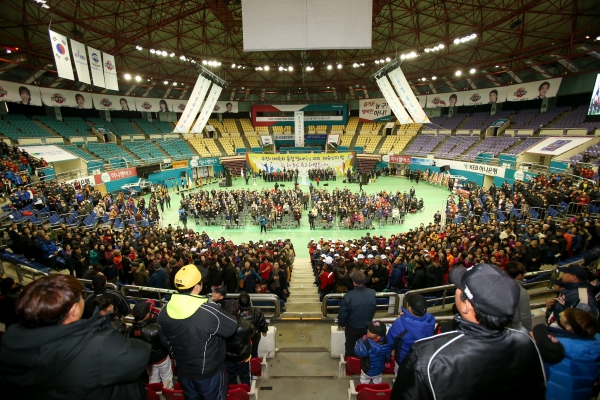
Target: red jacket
[327,278]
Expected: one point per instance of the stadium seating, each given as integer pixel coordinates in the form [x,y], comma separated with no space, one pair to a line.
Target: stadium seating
[247,126]
[523,145]
[424,144]
[367,141]
[125,127]
[175,148]
[352,125]
[205,147]
[455,146]
[396,143]
[76,151]
[163,126]
[533,119]
[494,145]
[108,125]
[78,124]
[106,151]
[483,120]
[231,143]
[575,119]
[445,122]
[145,150]
[146,126]
[60,127]
[19,126]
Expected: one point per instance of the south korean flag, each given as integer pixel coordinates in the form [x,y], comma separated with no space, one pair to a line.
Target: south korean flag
[60,48]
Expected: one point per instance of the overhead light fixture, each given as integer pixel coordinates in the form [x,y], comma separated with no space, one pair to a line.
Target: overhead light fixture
[497,66]
[8,51]
[433,78]
[290,68]
[587,37]
[182,58]
[434,48]
[127,76]
[164,53]
[204,62]
[408,56]
[598,38]
[465,39]
[152,51]
[138,78]
[280,68]
[218,63]
[388,59]
[456,41]
[258,68]
[329,66]
[423,79]
[355,65]
[45,6]
[458,73]
[166,82]
[376,61]
[340,66]
[138,47]
[309,68]
[172,55]
[266,68]
[174,83]
[472,70]
[232,65]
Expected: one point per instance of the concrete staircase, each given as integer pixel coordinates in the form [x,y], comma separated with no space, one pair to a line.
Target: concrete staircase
[220,147]
[304,299]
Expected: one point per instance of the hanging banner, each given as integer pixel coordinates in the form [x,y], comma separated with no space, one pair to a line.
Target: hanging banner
[151,105]
[66,98]
[533,90]
[422,101]
[299,128]
[209,105]
[115,175]
[226,107]
[62,60]
[393,100]
[396,159]
[95,57]
[438,100]
[193,105]
[374,110]
[472,97]
[110,72]
[81,61]
[17,93]
[407,96]
[109,102]
[422,161]
[178,105]
[339,162]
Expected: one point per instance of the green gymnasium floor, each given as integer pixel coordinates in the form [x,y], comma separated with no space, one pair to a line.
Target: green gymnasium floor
[433,196]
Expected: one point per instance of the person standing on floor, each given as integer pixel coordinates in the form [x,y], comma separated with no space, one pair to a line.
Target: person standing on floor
[263,221]
[356,309]
[195,331]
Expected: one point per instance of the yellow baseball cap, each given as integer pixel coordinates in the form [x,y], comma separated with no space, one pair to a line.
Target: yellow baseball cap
[188,276]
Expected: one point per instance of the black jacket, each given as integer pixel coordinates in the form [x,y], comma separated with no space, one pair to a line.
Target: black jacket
[435,276]
[147,331]
[239,345]
[357,307]
[116,298]
[256,317]
[382,274]
[83,360]
[194,331]
[493,365]
[418,279]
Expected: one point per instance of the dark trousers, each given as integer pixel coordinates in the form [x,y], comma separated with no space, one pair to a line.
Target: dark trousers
[241,369]
[263,227]
[213,388]
[255,343]
[352,336]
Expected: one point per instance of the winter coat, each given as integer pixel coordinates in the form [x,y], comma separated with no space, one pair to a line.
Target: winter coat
[239,345]
[147,331]
[373,355]
[357,307]
[86,359]
[406,330]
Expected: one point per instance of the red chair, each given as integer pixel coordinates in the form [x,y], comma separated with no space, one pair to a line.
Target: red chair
[172,394]
[389,367]
[352,366]
[375,391]
[177,386]
[237,394]
[255,367]
[151,394]
[156,386]
[239,386]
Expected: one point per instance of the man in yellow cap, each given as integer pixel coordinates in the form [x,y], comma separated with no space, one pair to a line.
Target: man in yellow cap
[194,331]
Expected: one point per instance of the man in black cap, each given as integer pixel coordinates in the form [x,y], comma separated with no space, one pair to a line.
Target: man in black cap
[576,292]
[494,362]
[218,295]
[356,309]
[145,328]
[239,347]
[119,303]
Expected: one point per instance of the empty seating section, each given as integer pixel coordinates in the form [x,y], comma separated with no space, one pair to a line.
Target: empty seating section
[175,148]
[262,130]
[424,144]
[445,122]
[575,119]
[253,141]
[17,126]
[77,152]
[125,127]
[106,151]
[494,145]
[352,125]
[146,126]
[229,126]
[144,150]
[60,127]
[163,126]
[337,128]
[346,139]
[396,143]
[247,126]
[79,125]
[483,120]
[455,146]
[232,143]
[367,141]
[205,147]
[371,127]
[108,125]
[523,145]
[533,119]
[281,129]
[593,151]
[317,129]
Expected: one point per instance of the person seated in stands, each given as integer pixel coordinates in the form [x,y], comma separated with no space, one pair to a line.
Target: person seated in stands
[54,354]
[374,351]
[239,347]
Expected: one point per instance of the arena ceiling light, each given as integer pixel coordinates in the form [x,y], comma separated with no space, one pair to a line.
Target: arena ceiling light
[409,56]
[232,65]
[309,68]
[465,39]
[138,47]
[472,70]
[258,68]
[387,59]
[174,83]
[166,82]
[281,68]
[329,66]
[433,78]
[164,53]
[434,48]
[340,66]
[204,62]
[266,68]
[138,78]
[172,55]
[127,76]
[290,68]
[458,73]
[45,6]
[152,51]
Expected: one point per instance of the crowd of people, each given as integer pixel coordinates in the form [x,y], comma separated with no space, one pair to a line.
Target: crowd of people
[322,174]
[286,175]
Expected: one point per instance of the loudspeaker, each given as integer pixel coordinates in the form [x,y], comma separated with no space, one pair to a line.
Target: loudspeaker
[445,168]
[344,180]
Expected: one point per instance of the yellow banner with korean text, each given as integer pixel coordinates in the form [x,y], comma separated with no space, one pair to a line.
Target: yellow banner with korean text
[339,162]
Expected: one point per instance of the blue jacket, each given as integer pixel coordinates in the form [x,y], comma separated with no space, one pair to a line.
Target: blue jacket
[263,221]
[373,355]
[158,279]
[416,328]
[582,361]
[396,276]
[48,248]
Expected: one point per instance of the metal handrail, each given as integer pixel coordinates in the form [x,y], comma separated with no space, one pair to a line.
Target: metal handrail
[89,282]
[275,308]
[443,288]
[140,289]
[30,273]
[332,296]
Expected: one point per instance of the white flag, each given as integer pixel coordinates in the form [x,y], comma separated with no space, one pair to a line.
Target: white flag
[110,72]
[95,57]
[60,48]
[193,105]
[207,109]
[393,100]
[81,61]
[407,96]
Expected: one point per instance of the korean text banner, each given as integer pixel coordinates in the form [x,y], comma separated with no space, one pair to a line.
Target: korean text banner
[48,153]
[66,98]
[407,96]
[394,101]
[226,107]
[422,100]
[81,61]
[62,60]
[370,110]
[95,57]
[193,105]
[209,105]
[110,72]
[339,162]
[17,93]
[299,128]
[533,90]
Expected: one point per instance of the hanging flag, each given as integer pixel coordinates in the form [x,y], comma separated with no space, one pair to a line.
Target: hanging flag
[207,109]
[110,72]
[393,100]
[407,96]
[60,48]
[81,61]
[95,57]
[193,106]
